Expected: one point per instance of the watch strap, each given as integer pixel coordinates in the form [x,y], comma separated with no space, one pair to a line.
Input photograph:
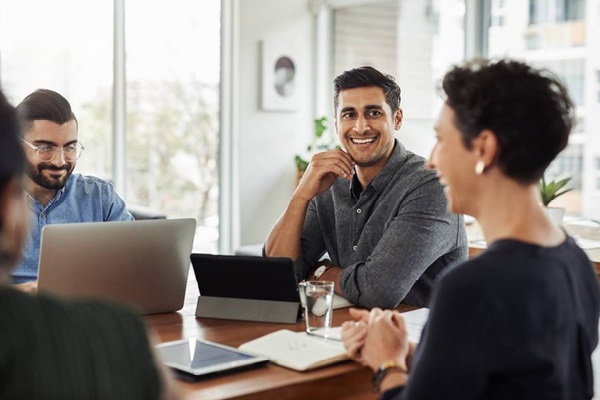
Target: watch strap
[384,369]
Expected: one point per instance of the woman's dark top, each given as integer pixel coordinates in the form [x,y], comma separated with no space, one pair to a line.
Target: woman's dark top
[56,349]
[518,322]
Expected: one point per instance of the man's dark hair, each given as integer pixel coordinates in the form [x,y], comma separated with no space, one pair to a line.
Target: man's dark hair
[529,111]
[47,105]
[12,160]
[367,77]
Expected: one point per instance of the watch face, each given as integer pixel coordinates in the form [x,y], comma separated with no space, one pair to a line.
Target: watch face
[320,271]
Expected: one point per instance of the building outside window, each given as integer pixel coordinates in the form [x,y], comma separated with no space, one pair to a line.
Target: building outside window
[554,34]
[498,11]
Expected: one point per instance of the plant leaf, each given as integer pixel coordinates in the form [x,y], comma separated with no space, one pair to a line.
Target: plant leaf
[320,126]
[551,190]
[301,164]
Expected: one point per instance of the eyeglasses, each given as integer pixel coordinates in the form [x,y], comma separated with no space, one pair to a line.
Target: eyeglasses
[47,153]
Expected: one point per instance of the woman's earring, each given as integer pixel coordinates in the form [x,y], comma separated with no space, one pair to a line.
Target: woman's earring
[479,167]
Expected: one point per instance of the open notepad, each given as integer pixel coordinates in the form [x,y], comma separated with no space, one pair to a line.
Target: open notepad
[296,350]
[300,351]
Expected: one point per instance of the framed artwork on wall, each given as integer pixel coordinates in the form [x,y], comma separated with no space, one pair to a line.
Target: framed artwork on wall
[279,76]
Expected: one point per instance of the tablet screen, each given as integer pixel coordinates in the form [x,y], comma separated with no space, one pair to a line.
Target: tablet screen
[201,357]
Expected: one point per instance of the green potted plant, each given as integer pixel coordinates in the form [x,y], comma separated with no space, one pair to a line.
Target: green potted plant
[550,191]
[322,140]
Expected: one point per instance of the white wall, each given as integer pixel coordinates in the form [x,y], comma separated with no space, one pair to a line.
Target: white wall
[268,140]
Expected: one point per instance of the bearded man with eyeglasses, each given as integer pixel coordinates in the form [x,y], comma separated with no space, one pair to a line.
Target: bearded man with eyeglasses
[56,195]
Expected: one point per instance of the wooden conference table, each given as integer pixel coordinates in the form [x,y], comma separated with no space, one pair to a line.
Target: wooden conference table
[346,380]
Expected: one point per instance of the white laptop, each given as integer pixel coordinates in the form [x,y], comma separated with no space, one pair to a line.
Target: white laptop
[143,263]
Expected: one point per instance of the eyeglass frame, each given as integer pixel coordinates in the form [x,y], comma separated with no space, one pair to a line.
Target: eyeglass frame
[57,149]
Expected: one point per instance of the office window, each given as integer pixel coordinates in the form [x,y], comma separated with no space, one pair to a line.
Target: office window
[69,52]
[172,109]
[554,23]
[551,11]
[551,34]
[497,10]
[570,163]
[598,85]
[172,93]
[570,70]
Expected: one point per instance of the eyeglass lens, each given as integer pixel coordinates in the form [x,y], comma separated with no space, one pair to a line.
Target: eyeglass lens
[70,153]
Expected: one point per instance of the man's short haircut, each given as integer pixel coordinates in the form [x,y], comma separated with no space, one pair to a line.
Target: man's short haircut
[367,77]
[12,160]
[45,104]
[529,111]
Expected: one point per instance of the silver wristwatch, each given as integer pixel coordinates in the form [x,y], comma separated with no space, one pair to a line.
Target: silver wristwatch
[320,271]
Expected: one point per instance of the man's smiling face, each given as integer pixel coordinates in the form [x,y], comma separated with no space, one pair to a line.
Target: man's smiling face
[51,175]
[365,124]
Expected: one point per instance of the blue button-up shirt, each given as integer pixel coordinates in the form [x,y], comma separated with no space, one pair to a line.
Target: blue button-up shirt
[83,199]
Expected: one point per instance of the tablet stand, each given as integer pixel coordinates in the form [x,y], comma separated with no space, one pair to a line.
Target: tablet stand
[287,312]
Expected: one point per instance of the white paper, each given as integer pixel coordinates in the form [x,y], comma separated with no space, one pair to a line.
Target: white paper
[415,321]
[587,244]
[296,350]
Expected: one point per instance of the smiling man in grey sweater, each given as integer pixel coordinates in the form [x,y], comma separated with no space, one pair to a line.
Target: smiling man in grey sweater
[373,207]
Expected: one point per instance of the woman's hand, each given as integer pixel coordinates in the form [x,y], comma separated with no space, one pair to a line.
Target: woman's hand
[354,332]
[386,340]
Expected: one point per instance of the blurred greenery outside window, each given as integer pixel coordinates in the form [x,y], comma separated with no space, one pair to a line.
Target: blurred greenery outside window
[172,93]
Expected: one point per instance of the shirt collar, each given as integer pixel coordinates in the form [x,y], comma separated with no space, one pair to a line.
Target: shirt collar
[57,196]
[383,178]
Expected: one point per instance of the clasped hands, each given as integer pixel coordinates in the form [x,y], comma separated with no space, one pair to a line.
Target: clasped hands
[377,336]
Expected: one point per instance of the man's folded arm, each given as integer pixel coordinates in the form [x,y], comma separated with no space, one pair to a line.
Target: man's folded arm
[312,246]
[421,233]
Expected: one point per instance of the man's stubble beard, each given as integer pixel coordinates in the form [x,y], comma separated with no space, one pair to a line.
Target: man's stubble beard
[36,175]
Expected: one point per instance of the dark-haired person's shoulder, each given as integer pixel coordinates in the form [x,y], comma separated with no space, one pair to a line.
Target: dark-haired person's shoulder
[92,335]
[511,265]
[43,317]
[17,303]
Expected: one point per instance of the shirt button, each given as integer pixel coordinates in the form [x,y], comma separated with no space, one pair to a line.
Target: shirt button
[43,215]
[354,248]
[358,210]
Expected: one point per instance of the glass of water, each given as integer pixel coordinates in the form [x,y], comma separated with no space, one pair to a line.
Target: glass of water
[319,306]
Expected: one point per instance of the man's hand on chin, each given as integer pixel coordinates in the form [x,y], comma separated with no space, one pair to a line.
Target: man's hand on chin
[27,287]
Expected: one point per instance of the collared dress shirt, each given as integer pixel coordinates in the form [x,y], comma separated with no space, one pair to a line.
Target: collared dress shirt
[392,238]
[82,199]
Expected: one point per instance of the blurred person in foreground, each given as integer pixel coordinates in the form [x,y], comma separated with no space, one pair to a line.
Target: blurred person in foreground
[56,195]
[520,320]
[57,349]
